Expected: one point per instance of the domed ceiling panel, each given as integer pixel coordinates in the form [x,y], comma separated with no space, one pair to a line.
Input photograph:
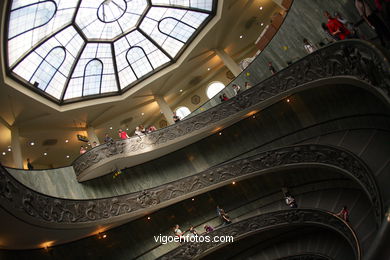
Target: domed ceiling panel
[69,50]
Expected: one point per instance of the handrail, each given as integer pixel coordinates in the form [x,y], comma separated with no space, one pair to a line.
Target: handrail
[44,209]
[237,216]
[276,219]
[351,58]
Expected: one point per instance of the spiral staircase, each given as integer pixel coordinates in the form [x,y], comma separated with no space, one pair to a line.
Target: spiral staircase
[319,128]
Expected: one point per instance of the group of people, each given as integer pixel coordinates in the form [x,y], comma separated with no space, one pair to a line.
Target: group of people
[223,216]
[192,231]
[139,131]
[338,28]
[291,202]
[237,90]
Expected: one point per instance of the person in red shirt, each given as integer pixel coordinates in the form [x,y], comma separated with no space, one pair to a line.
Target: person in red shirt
[336,28]
[123,135]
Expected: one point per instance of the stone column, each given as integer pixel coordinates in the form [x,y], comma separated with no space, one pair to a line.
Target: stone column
[92,137]
[228,62]
[16,148]
[165,109]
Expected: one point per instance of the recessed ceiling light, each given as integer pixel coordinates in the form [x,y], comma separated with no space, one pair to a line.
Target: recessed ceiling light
[67,156]
[44,154]
[142,113]
[110,127]
[4,153]
[261,8]
[241,36]
[32,143]
[181,90]
[262,24]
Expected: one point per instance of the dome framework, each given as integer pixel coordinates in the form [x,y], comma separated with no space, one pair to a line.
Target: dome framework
[72,50]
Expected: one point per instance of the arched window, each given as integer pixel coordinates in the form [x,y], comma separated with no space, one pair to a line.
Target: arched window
[138,61]
[176,29]
[48,67]
[29,17]
[93,73]
[214,88]
[182,112]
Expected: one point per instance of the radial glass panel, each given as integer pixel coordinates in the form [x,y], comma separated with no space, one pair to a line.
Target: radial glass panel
[71,49]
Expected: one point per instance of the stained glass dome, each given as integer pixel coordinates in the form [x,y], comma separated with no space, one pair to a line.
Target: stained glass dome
[69,50]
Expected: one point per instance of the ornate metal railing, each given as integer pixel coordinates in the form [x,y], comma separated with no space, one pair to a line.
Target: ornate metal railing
[253,225]
[353,58]
[19,199]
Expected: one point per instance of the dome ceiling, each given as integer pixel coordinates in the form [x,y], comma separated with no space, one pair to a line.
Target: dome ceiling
[69,50]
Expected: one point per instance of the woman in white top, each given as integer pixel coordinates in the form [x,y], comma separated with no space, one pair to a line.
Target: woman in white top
[138,132]
[178,231]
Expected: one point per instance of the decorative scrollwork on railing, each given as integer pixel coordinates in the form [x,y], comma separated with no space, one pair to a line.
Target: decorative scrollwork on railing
[17,197]
[277,219]
[351,58]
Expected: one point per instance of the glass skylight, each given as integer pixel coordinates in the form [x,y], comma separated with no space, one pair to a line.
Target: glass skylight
[70,49]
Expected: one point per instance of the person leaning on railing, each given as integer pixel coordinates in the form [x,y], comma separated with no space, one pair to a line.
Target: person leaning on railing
[176,118]
[208,228]
[236,89]
[122,134]
[344,214]
[108,139]
[223,215]
[290,201]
